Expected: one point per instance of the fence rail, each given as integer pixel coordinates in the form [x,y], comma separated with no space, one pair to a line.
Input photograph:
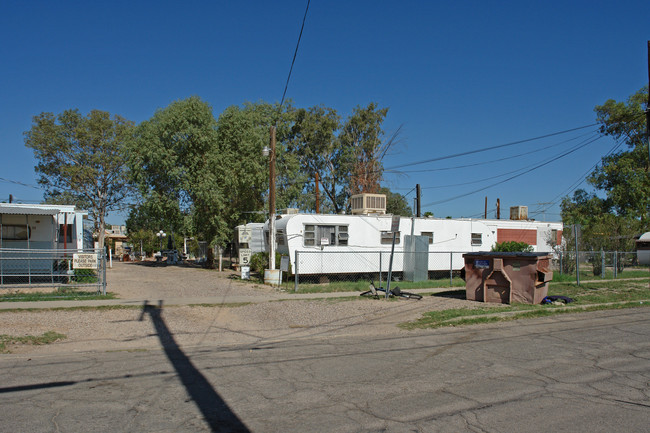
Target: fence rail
[55,269]
[318,267]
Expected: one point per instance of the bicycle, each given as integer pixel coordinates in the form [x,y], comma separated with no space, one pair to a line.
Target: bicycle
[396,292]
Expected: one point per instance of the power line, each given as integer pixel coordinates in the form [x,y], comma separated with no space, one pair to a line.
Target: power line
[485,149]
[295,53]
[508,179]
[582,144]
[553,158]
[20,183]
[541,149]
[582,178]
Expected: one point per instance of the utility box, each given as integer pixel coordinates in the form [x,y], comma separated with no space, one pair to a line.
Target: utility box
[507,277]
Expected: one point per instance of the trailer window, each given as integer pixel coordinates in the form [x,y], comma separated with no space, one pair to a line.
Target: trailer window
[309,239]
[317,235]
[343,235]
[429,235]
[279,237]
[15,233]
[387,238]
[477,239]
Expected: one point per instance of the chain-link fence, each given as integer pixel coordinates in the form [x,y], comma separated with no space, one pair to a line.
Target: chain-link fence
[320,267]
[317,267]
[22,269]
[598,264]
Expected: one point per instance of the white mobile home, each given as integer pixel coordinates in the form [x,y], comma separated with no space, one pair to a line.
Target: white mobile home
[360,235]
[41,226]
[36,228]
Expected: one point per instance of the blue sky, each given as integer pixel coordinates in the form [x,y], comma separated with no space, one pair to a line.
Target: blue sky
[456,76]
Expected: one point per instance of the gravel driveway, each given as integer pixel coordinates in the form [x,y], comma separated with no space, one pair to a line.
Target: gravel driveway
[219,323]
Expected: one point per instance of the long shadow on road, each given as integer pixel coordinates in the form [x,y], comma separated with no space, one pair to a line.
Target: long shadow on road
[215,411]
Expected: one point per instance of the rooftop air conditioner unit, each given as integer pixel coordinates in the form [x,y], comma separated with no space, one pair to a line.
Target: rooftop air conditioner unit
[366,204]
[519,213]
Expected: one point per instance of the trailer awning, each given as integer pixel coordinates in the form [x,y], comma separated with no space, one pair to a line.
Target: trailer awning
[27,210]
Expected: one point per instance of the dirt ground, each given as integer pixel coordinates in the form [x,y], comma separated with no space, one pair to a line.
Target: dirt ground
[219,323]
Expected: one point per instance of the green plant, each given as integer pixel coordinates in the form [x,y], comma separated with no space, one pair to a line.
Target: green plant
[512,246]
[260,261]
[85,276]
[46,338]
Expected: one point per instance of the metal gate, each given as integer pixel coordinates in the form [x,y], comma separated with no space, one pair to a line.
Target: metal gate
[52,269]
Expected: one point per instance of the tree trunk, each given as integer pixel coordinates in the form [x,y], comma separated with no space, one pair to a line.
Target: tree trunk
[101,230]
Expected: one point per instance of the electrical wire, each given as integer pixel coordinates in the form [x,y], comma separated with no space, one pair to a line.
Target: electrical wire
[505,180]
[485,149]
[482,163]
[295,53]
[19,183]
[552,158]
[580,180]
[583,143]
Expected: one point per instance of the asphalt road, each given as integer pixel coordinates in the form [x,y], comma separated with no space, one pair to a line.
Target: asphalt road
[588,372]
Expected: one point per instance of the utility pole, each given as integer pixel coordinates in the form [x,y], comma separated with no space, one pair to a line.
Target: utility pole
[498,209]
[485,212]
[418,197]
[647,108]
[317,195]
[272,201]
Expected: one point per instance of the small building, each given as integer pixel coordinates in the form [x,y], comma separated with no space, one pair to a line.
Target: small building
[29,233]
[41,226]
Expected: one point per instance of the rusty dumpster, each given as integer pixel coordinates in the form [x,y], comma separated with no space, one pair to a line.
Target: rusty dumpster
[507,277]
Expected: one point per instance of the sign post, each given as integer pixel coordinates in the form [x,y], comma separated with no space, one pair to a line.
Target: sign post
[245,235]
[394,227]
[85,261]
[245,256]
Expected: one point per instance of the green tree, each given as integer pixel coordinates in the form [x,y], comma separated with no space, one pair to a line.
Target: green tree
[582,208]
[174,162]
[347,156]
[396,203]
[623,177]
[81,159]
[315,143]
[242,133]
[145,240]
[202,176]
[363,135]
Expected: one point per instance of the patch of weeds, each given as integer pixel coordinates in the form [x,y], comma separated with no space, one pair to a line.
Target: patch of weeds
[593,296]
[80,308]
[11,340]
[61,294]
[466,316]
